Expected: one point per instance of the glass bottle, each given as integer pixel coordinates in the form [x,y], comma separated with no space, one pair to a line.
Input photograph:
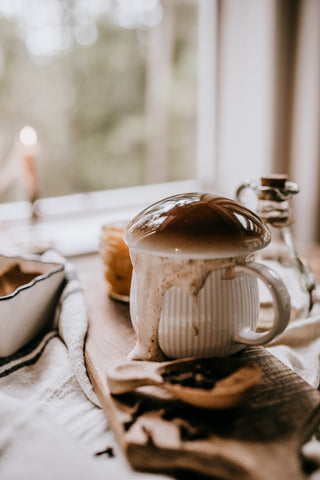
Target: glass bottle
[274,193]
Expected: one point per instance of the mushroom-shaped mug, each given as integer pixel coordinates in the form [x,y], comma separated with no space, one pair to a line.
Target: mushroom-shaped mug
[194,288]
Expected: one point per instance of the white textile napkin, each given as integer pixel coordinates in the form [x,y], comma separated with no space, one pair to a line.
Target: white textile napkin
[299,348]
[51,426]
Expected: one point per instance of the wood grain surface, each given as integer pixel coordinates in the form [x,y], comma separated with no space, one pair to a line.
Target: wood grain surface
[260,440]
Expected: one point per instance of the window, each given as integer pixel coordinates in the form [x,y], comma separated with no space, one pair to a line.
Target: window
[111,91]
[110,88]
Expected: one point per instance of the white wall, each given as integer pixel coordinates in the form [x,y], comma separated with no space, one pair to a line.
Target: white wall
[245,92]
[238,88]
[306,127]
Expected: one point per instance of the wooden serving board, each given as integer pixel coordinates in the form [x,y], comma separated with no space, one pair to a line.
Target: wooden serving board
[259,441]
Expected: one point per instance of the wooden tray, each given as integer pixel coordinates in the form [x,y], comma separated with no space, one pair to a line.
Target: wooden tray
[259,441]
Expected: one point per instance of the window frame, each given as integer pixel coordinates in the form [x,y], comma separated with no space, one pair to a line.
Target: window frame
[80,216]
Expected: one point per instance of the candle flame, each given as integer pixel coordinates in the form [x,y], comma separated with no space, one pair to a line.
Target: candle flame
[28,136]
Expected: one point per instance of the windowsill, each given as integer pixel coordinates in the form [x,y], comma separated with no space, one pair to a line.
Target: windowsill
[71,225]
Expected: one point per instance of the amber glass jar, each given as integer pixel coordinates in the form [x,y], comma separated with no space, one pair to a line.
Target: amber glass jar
[116,261]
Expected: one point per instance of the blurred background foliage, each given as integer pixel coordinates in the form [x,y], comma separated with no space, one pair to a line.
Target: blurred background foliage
[79,73]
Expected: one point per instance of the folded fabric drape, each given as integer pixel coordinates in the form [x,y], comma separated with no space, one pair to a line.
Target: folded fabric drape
[51,425]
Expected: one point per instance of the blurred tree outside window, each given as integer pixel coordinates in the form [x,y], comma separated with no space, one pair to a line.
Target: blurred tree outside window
[109,87]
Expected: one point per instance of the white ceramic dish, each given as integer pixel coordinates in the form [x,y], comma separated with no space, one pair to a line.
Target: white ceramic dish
[26,311]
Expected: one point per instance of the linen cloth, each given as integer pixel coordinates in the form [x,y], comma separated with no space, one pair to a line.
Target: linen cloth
[51,425]
[299,348]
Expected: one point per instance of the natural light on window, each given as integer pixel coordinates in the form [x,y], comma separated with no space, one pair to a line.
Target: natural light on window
[109,88]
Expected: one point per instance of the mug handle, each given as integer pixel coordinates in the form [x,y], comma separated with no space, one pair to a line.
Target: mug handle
[281,300]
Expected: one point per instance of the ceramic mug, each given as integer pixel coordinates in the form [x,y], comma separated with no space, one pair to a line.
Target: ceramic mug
[222,319]
[195,286]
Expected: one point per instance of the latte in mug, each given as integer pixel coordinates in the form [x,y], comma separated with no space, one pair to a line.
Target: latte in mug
[195,289]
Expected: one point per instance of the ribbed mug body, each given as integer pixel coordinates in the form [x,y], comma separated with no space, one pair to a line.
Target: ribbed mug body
[206,325]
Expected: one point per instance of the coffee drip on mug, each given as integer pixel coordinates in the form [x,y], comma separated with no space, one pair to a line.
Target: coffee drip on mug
[194,290]
[274,193]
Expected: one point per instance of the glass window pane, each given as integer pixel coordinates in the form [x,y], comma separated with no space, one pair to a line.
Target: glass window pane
[108,86]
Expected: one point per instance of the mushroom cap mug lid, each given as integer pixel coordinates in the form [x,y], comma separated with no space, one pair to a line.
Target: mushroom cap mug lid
[197,225]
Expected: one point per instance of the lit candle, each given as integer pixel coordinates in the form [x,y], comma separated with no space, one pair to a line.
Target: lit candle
[29,151]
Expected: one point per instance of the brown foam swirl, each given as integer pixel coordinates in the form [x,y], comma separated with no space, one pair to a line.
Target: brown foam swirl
[197,225]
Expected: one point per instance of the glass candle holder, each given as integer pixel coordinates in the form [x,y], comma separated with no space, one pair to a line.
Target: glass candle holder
[116,261]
